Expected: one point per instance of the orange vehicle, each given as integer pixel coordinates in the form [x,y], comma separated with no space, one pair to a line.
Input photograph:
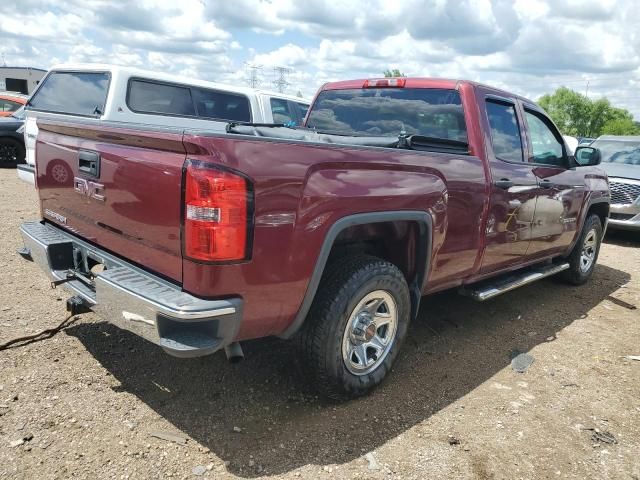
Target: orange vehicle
[10,102]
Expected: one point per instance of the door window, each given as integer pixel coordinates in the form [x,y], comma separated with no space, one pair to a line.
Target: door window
[281,111]
[546,147]
[505,131]
[9,106]
[302,109]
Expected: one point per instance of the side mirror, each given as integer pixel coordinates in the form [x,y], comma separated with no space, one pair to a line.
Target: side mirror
[587,156]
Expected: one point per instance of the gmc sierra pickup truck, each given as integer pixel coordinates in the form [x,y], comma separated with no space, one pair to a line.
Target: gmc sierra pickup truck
[328,235]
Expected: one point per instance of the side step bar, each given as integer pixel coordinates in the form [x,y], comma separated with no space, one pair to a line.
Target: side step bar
[494,287]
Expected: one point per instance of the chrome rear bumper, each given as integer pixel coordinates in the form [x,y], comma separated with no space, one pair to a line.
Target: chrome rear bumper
[132,298]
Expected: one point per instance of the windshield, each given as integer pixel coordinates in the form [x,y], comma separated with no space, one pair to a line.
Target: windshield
[390,112]
[619,151]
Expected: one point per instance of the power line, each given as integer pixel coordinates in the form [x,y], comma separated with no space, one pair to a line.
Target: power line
[254,70]
[281,82]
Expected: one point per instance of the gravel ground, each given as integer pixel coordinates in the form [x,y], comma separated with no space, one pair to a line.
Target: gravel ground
[87,402]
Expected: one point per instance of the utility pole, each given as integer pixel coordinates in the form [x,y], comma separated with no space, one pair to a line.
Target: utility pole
[253,79]
[281,82]
[586,92]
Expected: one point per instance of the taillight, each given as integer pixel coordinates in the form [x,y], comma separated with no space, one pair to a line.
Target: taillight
[215,213]
[385,82]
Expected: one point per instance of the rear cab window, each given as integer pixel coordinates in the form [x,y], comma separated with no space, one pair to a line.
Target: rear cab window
[150,97]
[73,93]
[429,112]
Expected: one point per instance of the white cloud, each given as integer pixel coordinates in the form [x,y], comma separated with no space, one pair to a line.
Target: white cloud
[528,46]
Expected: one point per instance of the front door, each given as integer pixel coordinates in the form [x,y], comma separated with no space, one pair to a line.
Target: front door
[513,187]
[561,188]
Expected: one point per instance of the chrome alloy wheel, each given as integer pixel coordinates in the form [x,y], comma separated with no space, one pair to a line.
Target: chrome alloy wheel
[370,332]
[589,247]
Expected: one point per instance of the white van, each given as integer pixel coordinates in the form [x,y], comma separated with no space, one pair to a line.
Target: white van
[123,94]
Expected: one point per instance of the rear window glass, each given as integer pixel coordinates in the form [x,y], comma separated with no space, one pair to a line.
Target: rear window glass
[76,93]
[222,105]
[148,97]
[390,112]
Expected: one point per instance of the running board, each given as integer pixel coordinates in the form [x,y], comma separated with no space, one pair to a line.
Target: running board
[494,287]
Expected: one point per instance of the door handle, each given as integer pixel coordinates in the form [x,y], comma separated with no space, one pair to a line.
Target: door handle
[545,184]
[503,183]
[89,162]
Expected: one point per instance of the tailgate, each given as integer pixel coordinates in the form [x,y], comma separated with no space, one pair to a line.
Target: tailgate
[119,188]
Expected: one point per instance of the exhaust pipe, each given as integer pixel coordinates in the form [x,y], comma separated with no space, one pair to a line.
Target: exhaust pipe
[234,352]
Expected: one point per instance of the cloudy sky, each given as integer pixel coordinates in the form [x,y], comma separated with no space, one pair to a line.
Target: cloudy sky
[527,46]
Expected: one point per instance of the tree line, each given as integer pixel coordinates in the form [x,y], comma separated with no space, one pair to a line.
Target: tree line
[578,115]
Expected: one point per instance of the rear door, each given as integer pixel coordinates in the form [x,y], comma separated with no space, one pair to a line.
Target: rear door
[513,185]
[117,187]
[561,187]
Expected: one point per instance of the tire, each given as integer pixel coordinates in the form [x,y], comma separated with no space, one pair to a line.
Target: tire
[351,320]
[582,259]
[11,152]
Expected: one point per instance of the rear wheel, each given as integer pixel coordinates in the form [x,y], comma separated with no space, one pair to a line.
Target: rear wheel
[583,257]
[11,152]
[355,327]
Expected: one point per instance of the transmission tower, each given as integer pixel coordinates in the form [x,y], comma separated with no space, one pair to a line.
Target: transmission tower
[254,70]
[281,82]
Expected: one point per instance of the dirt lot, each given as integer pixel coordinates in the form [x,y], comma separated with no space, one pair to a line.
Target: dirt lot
[88,400]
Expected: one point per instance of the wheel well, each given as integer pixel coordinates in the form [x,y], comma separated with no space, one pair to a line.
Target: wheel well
[601,210]
[399,242]
[401,237]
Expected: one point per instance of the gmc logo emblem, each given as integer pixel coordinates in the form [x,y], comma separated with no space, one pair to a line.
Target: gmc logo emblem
[89,189]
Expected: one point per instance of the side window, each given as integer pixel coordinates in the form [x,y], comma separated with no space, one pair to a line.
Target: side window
[546,147]
[148,97]
[221,105]
[505,132]
[281,112]
[9,106]
[302,109]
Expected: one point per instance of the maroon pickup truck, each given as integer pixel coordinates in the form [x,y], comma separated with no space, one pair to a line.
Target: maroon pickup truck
[329,234]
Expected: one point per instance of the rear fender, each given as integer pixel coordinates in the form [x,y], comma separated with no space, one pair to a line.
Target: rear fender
[422,219]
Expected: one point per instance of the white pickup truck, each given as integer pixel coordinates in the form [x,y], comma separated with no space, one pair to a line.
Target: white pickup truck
[122,94]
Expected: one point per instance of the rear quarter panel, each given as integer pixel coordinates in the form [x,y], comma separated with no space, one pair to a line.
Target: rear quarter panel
[301,189]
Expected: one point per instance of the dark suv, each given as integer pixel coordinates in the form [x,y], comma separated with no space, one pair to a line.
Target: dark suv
[12,141]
